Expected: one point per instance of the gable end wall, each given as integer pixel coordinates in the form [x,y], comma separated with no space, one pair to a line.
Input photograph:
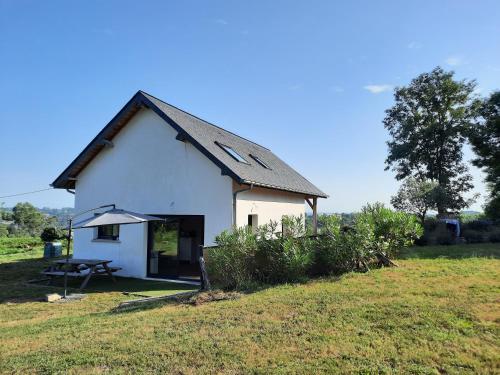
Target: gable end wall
[149,171]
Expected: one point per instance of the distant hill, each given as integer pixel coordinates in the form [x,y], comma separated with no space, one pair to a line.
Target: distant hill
[61,214]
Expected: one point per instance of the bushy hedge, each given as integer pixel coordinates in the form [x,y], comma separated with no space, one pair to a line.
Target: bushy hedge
[283,257]
[436,233]
[376,229]
[51,234]
[473,231]
[243,259]
[478,231]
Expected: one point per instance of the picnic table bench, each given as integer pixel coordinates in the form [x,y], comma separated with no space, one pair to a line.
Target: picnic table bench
[85,268]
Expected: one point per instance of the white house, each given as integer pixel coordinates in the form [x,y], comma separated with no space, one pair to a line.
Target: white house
[156,159]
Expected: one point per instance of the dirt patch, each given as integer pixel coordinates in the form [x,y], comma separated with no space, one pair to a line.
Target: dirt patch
[212,296]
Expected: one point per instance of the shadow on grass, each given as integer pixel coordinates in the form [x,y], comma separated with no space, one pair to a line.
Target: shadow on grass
[15,285]
[14,277]
[484,250]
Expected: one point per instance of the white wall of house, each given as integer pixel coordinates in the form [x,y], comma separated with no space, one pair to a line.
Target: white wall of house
[149,171]
[268,205]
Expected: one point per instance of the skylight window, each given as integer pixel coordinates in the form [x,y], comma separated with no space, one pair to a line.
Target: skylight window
[232,153]
[260,161]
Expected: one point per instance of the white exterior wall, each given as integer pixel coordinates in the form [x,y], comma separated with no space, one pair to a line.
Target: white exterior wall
[149,171]
[267,205]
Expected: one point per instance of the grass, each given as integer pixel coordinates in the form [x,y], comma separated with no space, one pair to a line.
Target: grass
[491,250]
[20,264]
[438,312]
[130,286]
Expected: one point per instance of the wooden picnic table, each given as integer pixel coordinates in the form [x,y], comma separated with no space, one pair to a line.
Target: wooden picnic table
[81,268]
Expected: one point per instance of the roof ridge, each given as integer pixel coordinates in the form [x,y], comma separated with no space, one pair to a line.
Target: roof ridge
[205,121]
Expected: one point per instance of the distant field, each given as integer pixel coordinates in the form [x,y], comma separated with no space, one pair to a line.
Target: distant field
[439,312]
[15,245]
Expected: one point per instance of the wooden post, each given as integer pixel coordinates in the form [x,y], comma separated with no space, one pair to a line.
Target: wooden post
[314,207]
[205,282]
[315,215]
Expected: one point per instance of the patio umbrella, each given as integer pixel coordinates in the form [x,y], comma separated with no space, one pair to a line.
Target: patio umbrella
[113,216]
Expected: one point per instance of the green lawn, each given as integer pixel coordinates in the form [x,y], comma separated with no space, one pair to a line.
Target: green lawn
[18,266]
[439,312]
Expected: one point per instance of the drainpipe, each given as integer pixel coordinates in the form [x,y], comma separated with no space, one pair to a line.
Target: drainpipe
[234,201]
[70,191]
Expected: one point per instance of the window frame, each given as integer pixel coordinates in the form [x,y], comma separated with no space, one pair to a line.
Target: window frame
[99,236]
[261,162]
[229,150]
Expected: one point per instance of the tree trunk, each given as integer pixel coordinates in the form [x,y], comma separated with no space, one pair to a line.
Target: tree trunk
[441,207]
[422,218]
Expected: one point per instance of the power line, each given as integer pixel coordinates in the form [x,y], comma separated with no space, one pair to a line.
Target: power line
[28,192]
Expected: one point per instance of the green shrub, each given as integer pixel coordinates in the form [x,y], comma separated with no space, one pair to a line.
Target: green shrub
[375,229]
[475,236]
[442,235]
[429,227]
[232,262]
[392,230]
[328,259]
[51,234]
[477,225]
[4,230]
[478,231]
[243,258]
[494,236]
[343,248]
[286,256]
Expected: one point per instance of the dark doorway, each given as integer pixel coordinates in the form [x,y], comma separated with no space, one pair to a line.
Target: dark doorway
[173,247]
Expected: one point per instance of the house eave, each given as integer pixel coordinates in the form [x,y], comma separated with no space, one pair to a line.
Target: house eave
[280,188]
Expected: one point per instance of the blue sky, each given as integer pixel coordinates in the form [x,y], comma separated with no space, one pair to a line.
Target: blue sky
[308,79]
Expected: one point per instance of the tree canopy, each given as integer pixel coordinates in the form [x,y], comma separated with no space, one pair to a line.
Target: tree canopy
[428,126]
[416,197]
[485,140]
[29,221]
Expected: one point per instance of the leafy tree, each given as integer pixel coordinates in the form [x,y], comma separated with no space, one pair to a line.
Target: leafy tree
[28,220]
[4,214]
[416,197]
[492,208]
[428,126]
[485,140]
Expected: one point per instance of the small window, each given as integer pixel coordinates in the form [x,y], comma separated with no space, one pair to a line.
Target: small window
[108,232]
[232,153]
[253,222]
[260,161]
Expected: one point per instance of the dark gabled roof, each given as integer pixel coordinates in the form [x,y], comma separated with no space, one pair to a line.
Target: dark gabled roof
[205,137]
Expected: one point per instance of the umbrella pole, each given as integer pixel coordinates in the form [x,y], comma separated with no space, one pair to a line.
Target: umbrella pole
[67,258]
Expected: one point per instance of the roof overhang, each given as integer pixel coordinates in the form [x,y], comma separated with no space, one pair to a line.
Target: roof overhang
[280,188]
[67,179]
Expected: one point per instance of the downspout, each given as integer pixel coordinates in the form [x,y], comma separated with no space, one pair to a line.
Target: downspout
[70,191]
[234,201]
